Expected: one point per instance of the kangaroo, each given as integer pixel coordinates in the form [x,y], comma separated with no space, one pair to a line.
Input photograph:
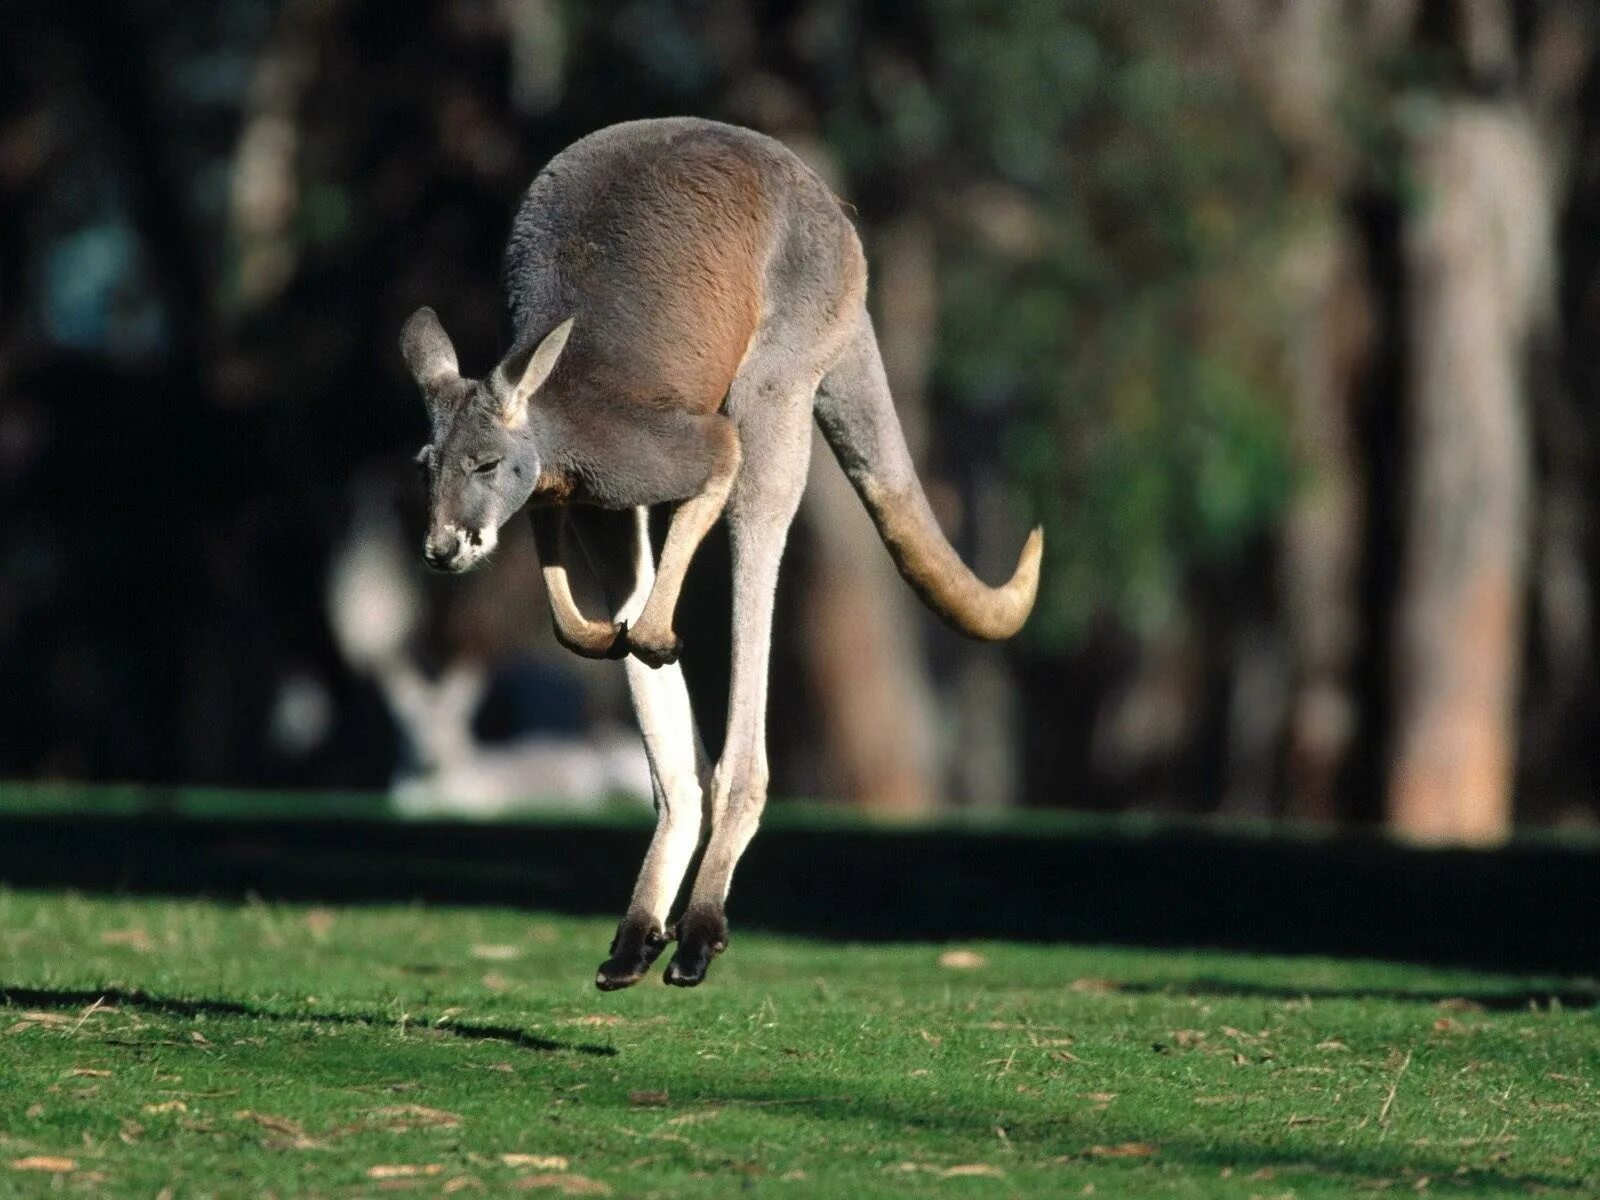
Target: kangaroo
[683,298]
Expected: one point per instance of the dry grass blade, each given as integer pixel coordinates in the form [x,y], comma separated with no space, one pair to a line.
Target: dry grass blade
[268,1121]
[497,953]
[45,1162]
[1122,1150]
[47,1018]
[1093,986]
[404,1170]
[544,1162]
[962,960]
[89,1012]
[1394,1087]
[567,1185]
[135,939]
[400,1117]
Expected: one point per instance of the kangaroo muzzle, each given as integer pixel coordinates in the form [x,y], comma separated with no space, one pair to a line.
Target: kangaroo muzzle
[454,549]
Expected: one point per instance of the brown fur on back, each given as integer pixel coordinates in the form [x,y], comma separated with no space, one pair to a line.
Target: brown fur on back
[658,247]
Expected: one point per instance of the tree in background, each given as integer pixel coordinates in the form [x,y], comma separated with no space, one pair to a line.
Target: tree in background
[1486,153]
[1253,304]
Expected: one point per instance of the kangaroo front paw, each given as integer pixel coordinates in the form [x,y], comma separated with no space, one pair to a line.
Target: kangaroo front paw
[619,647]
[702,935]
[638,942]
[595,639]
[654,646]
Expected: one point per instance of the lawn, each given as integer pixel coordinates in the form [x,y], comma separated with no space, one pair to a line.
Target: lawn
[183,1049]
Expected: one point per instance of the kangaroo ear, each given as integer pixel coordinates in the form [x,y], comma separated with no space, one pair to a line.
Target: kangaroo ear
[427,350]
[520,376]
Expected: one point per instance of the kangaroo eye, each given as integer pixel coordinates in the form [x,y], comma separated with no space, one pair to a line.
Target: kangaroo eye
[485,468]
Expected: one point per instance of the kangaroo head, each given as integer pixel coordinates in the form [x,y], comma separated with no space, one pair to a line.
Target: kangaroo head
[482,462]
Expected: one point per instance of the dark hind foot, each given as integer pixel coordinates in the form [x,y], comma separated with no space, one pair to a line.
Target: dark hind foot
[639,940]
[702,935]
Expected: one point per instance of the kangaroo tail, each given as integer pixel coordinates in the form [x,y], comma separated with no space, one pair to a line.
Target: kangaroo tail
[857,416]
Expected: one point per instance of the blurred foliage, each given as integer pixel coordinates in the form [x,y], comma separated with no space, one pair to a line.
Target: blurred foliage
[1153,429]
[1112,201]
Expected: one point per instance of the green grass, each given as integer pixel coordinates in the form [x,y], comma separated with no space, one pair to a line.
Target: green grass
[277,1050]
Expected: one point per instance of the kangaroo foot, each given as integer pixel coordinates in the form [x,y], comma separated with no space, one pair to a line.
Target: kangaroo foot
[639,940]
[702,935]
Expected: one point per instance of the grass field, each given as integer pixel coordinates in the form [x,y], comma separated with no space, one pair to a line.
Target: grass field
[184,1049]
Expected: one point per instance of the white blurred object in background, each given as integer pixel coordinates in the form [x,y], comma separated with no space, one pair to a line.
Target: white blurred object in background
[374,608]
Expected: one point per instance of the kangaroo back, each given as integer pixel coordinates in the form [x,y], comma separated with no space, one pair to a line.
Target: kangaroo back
[856,414]
[654,235]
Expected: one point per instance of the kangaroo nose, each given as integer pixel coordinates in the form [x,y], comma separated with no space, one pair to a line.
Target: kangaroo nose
[441,549]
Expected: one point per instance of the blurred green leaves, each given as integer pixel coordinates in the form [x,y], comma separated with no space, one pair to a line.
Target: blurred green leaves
[1130,338]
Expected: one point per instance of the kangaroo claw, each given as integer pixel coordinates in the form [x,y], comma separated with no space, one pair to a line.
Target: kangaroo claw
[701,937]
[634,950]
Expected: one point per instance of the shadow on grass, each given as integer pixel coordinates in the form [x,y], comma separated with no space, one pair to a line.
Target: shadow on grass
[1537,1000]
[1067,1141]
[46,999]
[1525,907]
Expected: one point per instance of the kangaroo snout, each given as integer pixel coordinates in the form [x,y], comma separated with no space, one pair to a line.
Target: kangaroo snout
[453,549]
[441,549]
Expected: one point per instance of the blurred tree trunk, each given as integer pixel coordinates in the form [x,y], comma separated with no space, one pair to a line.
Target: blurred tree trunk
[1555,733]
[1480,259]
[862,647]
[862,656]
[1478,249]
[1322,535]
[1296,56]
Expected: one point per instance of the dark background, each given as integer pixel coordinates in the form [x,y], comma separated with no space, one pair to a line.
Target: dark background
[1278,316]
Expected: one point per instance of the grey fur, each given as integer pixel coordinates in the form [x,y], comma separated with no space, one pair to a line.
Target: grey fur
[711,285]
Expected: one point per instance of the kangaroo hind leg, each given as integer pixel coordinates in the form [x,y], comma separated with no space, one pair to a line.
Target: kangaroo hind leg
[774,416]
[617,545]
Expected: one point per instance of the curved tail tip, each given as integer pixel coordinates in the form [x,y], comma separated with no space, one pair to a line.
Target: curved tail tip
[1024,582]
[1012,601]
[1032,552]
